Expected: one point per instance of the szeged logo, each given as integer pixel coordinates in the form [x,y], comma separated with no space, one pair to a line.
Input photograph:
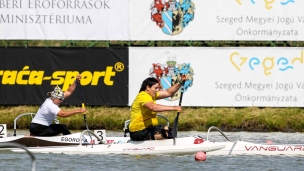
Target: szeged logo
[269,3]
[172,16]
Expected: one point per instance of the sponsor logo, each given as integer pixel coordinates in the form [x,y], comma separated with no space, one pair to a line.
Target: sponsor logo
[118,142]
[269,4]
[139,149]
[34,77]
[172,16]
[274,148]
[167,74]
[66,139]
[266,64]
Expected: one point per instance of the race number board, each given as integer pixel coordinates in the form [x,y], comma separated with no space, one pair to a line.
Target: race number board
[3,131]
[101,134]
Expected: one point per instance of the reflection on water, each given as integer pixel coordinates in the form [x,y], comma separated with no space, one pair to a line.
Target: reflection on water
[21,161]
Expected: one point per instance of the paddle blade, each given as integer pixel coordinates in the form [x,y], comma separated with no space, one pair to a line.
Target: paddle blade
[175,124]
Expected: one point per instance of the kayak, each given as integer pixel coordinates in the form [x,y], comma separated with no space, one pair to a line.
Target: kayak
[28,140]
[186,145]
[248,148]
[92,144]
[35,141]
[96,142]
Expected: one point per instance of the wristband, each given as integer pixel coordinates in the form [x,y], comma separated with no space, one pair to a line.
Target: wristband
[76,81]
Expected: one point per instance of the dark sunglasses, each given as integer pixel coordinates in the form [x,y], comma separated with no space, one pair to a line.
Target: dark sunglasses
[61,98]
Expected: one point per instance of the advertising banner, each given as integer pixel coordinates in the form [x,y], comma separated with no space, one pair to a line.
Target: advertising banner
[64,19]
[217,20]
[27,74]
[194,20]
[223,77]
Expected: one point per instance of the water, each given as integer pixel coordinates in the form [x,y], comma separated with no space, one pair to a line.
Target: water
[63,162]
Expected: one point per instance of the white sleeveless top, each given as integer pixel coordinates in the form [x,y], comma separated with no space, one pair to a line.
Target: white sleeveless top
[47,113]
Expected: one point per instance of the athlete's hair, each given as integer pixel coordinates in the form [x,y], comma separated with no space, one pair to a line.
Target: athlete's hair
[148,82]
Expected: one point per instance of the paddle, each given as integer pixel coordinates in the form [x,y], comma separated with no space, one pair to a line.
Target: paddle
[176,118]
[82,103]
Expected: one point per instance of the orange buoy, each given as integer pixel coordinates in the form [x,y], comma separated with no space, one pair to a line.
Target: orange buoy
[200,156]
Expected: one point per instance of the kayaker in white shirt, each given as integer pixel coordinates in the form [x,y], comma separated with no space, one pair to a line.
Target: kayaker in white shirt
[42,123]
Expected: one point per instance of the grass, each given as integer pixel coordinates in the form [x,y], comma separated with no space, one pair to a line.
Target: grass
[190,119]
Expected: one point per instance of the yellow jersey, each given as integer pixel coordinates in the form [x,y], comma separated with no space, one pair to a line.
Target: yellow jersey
[141,117]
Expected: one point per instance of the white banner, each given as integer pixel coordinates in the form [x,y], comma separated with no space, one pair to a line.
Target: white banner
[228,77]
[152,20]
[217,20]
[64,19]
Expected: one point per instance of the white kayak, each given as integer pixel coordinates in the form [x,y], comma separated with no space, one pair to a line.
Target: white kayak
[88,142]
[123,145]
[249,148]
[73,139]
[91,143]
[36,141]
[97,142]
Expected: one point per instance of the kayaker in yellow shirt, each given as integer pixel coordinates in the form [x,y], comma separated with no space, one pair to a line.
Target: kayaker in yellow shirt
[143,121]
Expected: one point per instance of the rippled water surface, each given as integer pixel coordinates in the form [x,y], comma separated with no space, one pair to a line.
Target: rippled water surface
[21,161]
